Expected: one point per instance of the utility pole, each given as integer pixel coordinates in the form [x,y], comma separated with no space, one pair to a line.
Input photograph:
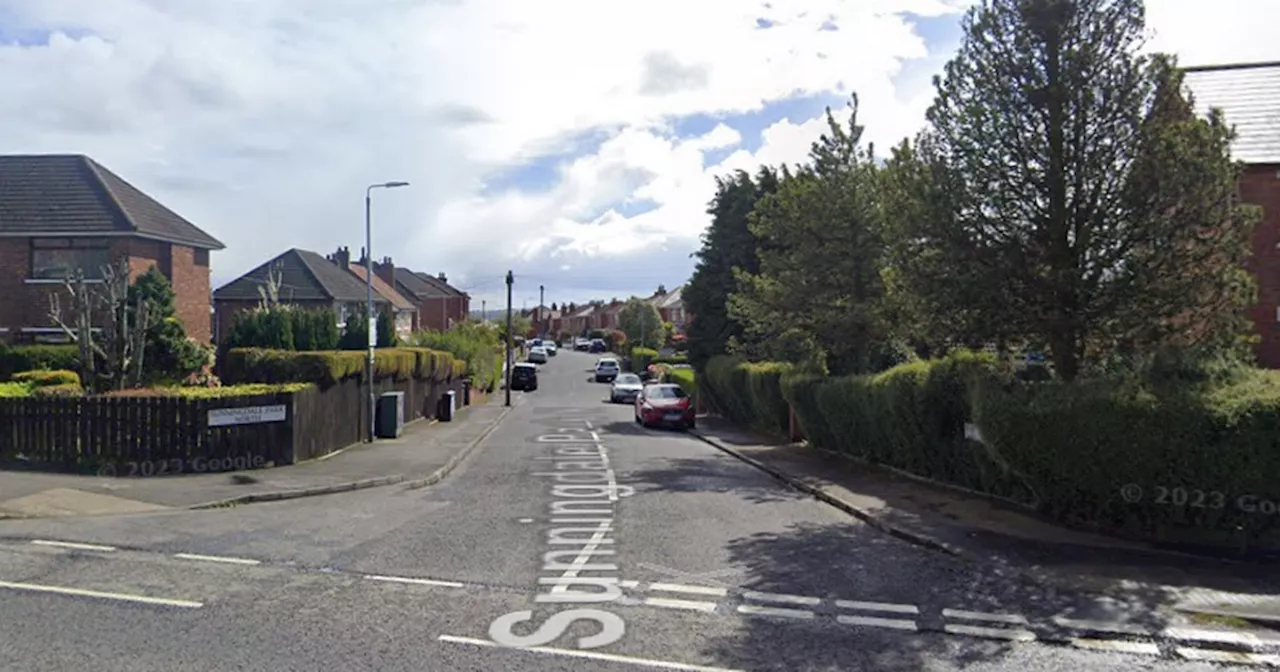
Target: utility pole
[542,301]
[511,279]
[484,311]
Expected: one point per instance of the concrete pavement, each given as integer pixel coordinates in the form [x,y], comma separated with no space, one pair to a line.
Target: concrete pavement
[548,548]
[424,449]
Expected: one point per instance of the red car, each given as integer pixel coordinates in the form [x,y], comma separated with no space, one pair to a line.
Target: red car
[665,404]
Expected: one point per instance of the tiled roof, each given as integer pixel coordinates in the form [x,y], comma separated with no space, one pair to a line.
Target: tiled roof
[74,195]
[381,288]
[1249,97]
[671,299]
[304,276]
[413,285]
[448,289]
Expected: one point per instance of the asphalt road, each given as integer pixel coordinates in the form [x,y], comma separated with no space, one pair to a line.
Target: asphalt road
[696,562]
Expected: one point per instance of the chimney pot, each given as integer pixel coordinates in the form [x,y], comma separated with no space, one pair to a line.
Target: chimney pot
[443,277]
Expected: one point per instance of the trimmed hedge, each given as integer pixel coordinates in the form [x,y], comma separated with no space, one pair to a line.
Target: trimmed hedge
[58,390]
[16,359]
[747,393]
[478,345]
[641,358]
[14,390]
[44,378]
[686,379]
[255,365]
[910,417]
[1201,461]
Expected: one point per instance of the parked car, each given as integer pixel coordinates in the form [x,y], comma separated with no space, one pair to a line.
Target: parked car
[665,404]
[625,388]
[550,347]
[582,345]
[607,369]
[537,355]
[524,376]
[597,345]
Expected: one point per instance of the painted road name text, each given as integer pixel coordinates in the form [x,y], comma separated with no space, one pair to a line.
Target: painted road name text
[585,493]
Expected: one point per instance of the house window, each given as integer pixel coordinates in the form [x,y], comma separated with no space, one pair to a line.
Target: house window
[58,258]
[201,258]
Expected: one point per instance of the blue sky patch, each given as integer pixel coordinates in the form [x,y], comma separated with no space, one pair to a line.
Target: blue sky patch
[797,109]
[635,206]
[941,35]
[13,33]
[542,173]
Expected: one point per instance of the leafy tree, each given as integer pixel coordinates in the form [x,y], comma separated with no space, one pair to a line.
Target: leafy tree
[520,325]
[727,244]
[1043,125]
[643,325]
[387,337]
[820,250]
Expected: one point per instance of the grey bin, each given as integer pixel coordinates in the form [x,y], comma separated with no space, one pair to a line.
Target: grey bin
[390,420]
[448,404]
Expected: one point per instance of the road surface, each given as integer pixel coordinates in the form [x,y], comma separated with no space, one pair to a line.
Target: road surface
[570,539]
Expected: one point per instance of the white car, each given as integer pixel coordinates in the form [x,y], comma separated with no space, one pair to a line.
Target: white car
[537,355]
[607,368]
[550,347]
[625,388]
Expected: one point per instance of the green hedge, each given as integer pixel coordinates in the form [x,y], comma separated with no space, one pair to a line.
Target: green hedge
[641,358]
[256,365]
[478,345]
[14,390]
[671,359]
[44,378]
[686,379]
[1186,453]
[747,393]
[16,359]
[58,390]
[910,417]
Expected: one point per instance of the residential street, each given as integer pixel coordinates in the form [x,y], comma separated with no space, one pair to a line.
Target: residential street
[720,567]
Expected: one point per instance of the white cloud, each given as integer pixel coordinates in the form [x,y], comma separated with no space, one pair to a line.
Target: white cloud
[263,120]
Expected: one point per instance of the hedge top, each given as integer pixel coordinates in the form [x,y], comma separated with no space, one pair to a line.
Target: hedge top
[327,367]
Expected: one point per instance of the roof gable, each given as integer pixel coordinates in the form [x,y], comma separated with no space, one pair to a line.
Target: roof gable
[413,285]
[444,287]
[304,276]
[72,194]
[1249,97]
[384,290]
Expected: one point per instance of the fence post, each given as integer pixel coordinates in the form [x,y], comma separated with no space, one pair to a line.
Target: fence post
[793,425]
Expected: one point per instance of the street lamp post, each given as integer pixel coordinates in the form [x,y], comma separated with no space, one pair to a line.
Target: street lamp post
[372,319]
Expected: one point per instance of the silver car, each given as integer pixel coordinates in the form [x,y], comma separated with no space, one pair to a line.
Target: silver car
[625,388]
[537,355]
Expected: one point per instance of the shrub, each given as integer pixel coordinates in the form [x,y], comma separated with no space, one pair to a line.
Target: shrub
[58,390]
[747,393]
[14,390]
[1191,453]
[671,359]
[254,365]
[475,344]
[686,379]
[641,358]
[286,328]
[43,378]
[16,359]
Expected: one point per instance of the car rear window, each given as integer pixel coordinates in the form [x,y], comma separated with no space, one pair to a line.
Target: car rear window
[664,392]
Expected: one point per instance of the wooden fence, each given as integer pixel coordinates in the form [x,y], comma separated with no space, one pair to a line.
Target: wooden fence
[150,436]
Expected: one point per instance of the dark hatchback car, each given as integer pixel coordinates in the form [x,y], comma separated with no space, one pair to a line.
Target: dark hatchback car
[597,345]
[524,376]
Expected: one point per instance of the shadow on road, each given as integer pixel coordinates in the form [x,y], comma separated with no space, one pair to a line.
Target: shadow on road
[854,562]
[710,474]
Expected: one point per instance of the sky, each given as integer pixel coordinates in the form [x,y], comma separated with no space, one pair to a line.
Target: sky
[574,142]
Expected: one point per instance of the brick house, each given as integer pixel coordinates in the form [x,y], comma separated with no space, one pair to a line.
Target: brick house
[578,321]
[307,280]
[1249,97]
[440,305]
[407,319]
[671,306]
[61,212]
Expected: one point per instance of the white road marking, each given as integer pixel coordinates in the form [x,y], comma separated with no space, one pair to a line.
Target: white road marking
[1204,635]
[691,605]
[990,633]
[778,597]
[895,623]
[419,582]
[982,616]
[1215,656]
[589,425]
[218,558]
[590,655]
[1118,645]
[526,520]
[878,606]
[692,590]
[773,611]
[72,544]
[80,592]
[592,545]
[628,584]
[1102,626]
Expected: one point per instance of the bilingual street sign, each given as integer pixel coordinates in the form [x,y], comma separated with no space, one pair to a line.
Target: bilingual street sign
[246,415]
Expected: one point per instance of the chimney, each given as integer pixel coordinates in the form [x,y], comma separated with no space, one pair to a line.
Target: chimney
[443,277]
[342,257]
[385,270]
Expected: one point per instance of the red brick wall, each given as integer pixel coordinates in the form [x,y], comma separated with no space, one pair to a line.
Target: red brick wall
[191,286]
[1260,185]
[26,305]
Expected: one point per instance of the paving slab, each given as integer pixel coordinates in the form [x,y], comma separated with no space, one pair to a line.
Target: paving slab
[423,449]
